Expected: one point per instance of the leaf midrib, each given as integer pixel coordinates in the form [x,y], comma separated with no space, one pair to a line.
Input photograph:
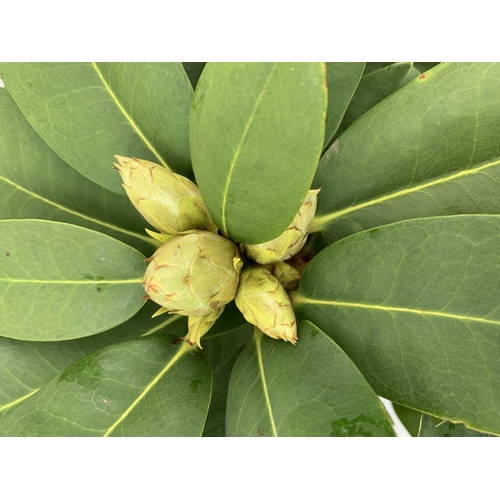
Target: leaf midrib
[422,312]
[78,214]
[258,347]
[127,116]
[321,220]
[183,350]
[238,149]
[18,400]
[148,332]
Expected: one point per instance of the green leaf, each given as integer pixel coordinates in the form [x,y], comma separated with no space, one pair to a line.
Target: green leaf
[60,282]
[426,150]
[311,389]
[142,387]
[256,133]
[229,320]
[409,418]
[415,305]
[88,112]
[216,420]
[375,87]
[26,366]
[374,66]
[36,183]
[342,80]
[433,427]
[425,66]
[193,71]
[221,346]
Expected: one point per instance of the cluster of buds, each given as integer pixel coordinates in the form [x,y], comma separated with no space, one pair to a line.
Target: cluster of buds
[196,272]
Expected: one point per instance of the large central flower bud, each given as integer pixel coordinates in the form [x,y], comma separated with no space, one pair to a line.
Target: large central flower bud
[194,274]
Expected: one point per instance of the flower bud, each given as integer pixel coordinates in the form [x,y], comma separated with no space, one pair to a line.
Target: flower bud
[199,325]
[287,275]
[291,240]
[194,274]
[265,304]
[169,202]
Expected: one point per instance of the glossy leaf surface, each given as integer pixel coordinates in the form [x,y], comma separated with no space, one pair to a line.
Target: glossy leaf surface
[142,387]
[375,87]
[311,389]
[89,112]
[256,134]
[342,80]
[26,366]
[416,306]
[37,183]
[60,282]
[429,149]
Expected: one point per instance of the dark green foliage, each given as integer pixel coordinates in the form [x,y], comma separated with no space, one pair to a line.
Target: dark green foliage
[401,275]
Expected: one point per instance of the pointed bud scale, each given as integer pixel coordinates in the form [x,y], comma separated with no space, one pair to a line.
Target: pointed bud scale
[169,202]
[194,274]
[265,304]
[199,325]
[291,240]
[160,236]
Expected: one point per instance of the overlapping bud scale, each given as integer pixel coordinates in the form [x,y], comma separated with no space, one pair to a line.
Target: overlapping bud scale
[169,202]
[264,303]
[194,274]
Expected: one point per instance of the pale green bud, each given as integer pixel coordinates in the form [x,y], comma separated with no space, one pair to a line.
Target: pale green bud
[265,304]
[194,274]
[169,202]
[291,240]
[287,275]
[199,325]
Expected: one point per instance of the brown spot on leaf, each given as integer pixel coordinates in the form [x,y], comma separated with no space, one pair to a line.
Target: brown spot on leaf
[422,76]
